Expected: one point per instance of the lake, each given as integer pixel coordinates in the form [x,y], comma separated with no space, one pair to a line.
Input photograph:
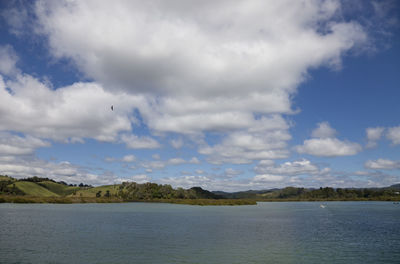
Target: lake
[274,232]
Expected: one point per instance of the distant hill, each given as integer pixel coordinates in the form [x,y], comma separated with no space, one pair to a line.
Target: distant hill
[44,187]
[131,191]
[35,186]
[395,186]
[326,193]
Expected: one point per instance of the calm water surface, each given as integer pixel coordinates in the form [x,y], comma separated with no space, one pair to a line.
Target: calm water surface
[342,232]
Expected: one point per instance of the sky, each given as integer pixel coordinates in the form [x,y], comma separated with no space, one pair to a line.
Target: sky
[225,95]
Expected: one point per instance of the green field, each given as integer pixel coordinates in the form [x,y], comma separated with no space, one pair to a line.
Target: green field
[59,189]
[33,189]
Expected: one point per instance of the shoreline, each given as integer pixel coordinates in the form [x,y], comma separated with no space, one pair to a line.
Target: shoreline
[200,202]
[76,200]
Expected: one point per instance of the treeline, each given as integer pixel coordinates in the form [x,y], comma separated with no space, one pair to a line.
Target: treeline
[37,179]
[329,193]
[150,191]
[7,186]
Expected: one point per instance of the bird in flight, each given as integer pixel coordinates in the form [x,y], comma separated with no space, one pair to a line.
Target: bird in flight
[112,108]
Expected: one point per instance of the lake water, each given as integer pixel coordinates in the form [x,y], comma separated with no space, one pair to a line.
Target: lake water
[283,232]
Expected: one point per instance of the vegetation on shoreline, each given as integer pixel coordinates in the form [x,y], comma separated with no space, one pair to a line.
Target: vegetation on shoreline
[44,190]
[391,193]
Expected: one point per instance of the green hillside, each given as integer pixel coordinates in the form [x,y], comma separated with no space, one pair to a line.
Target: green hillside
[57,188]
[33,189]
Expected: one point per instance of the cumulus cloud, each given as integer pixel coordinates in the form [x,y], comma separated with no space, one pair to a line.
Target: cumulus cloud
[268,178]
[139,178]
[326,145]
[17,17]
[24,167]
[70,113]
[231,173]
[290,168]
[299,173]
[324,130]
[373,135]
[8,60]
[382,164]
[135,142]
[161,164]
[129,158]
[393,134]
[266,139]
[205,66]
[189,68]
[12,145]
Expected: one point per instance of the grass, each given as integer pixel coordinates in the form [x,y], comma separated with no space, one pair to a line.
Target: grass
[58,188]
[33,189]
[57,200]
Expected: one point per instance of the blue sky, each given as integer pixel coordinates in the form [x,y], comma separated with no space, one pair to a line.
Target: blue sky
[227,96]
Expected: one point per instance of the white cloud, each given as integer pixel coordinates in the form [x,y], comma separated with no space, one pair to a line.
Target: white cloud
[231,173]
[324,130]
[373,135]
[135,142]
[393,134]
[266,139]
[69,113]
[324,177]
[17,18]
[16,145]
[129,158]
[194,160]
[268,178]
[154,165]
[139,178]
[205,66]
[24,167]
[382,164]
[326,145]
[161,164]
[8,60]
[290,168]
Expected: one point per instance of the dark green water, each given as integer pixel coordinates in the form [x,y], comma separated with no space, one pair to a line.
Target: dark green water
[342,232]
